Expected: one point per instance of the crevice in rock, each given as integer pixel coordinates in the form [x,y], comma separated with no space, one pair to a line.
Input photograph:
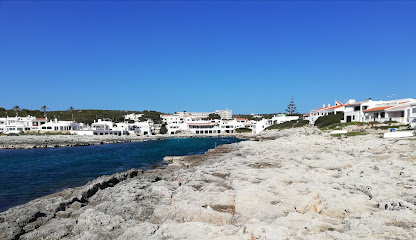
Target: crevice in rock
[40,218]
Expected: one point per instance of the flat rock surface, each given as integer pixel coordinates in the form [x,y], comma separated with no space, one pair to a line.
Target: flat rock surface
[290,184]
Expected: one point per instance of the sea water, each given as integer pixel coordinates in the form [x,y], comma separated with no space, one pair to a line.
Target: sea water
[31,173]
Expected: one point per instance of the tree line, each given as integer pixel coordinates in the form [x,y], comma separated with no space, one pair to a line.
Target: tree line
[79,115]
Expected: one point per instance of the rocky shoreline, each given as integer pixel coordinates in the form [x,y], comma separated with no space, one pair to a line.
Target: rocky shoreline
[51,141]
[291,184]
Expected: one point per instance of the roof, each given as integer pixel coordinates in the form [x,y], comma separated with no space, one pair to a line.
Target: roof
[329,108]
[322,108]
[241,119]
[377,109]
[40,119]
[356,103]
[399,107]
[335,107]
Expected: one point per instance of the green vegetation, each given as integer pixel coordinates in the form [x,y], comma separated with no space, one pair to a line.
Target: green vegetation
[163,129]
[342,125]
[290,124]
[22,112]
[86,116]
[291,108]
[301,123]
[243,130]
[329,120]
[212,116]
[389,122]
[152,115]
[388,127]
[247,116]
[349,134]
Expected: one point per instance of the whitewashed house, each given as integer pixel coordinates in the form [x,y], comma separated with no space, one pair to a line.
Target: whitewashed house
[393,110]
[143,128]
[281,118]
[260,125]
[60,126]
[354,110]
[207,127]
[224,114]
[412,116]
[103,127]
[33,124]
[133,117]
[16,124]
[38,122]
[325,111]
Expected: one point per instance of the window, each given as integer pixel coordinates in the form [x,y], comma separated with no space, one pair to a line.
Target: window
[414,110]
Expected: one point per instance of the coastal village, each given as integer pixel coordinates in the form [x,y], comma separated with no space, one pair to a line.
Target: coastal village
[402,111]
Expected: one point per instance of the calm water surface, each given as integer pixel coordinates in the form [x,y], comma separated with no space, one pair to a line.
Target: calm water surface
[32,173]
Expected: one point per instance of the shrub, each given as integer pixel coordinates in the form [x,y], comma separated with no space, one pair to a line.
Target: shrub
[301,123]
[244,130]
[163,129]
[329,120]
[290,124]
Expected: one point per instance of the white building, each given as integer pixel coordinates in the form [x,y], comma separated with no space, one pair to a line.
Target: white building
[393,110]
[259,126]
[325,111]
[380,111]
[101,127]
[60,126]
[368,111]
[224,114]
[32,124]
[143,128]
[16,124]
[133,117]
[281,118]
[412,116]
[206,128]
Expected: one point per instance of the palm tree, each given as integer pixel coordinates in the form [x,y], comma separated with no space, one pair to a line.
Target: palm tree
[44,110]
[71,110]
[16,109]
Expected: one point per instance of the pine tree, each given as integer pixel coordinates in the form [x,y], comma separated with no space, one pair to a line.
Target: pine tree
[291,108]
[163,129]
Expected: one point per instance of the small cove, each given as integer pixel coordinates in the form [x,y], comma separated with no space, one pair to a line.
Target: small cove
[31,173]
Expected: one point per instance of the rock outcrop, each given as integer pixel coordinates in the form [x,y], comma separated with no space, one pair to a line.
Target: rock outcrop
[291,184]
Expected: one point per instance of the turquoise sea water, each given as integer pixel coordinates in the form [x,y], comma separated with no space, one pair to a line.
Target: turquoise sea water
[32,173]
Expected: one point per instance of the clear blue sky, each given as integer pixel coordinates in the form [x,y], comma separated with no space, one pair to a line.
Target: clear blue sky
[169,56]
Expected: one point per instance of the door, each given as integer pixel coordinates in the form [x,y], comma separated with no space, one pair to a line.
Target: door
[348,118]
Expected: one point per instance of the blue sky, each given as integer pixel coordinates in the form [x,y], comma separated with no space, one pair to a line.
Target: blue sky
[248,56]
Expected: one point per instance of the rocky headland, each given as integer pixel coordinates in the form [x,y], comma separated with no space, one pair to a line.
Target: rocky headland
[291,184]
